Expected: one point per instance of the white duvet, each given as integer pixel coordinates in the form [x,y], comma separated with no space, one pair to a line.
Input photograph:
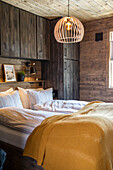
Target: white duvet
[24,120]
[62,106]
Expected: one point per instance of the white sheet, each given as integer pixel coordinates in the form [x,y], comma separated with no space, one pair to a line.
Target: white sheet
[23,119]
[13,119]
[62,106]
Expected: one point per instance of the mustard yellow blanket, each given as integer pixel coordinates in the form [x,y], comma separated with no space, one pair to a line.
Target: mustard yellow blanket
[80,141]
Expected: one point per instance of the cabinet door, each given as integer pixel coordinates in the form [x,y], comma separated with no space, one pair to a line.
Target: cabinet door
[9,31]
[27,34]
[71,79]
[71,51]
[43,38]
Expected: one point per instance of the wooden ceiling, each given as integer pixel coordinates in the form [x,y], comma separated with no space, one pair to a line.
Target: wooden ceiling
[85,10]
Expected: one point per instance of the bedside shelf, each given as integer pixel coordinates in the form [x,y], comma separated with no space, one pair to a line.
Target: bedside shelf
[23,84]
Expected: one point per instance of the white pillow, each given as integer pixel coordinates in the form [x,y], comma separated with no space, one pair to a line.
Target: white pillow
[10,100]
[40,96]
[24,96]
[7,91]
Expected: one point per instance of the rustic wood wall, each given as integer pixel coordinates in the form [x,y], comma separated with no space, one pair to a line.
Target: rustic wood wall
[23,34]
[62,71]
[52,71]
[27,35]
[94,62]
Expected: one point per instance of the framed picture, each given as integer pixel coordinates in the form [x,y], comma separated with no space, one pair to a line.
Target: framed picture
[9,72]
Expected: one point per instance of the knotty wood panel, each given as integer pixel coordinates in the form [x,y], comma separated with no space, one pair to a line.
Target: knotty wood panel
[27,34]
[43,38]
[94,62]
[9,31]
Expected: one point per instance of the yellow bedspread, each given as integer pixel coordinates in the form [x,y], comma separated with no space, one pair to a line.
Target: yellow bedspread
[80,141]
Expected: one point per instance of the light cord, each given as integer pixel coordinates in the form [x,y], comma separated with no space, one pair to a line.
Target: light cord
[68,8]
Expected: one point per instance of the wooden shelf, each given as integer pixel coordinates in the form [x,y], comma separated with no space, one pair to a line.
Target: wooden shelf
[18,82]
[23,84]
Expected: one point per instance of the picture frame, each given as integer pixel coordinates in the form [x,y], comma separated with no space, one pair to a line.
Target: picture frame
[9,73]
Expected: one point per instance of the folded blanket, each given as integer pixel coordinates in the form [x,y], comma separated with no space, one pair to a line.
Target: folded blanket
[79,141]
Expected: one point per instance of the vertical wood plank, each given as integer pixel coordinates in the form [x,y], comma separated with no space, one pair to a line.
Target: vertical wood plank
[14,41]
[28,34]
[9,31]
[43,38]
[71,84]
[5,31]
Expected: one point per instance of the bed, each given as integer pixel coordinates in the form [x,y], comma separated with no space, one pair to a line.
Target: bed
[83,140]
[12,134]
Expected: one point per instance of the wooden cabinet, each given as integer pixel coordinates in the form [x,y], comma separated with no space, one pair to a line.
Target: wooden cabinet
[62,71]
[22,34]
[9,32]
[43,38]
[27,35]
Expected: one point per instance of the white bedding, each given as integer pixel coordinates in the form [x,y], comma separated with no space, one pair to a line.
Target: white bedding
[16,124]
[62,106]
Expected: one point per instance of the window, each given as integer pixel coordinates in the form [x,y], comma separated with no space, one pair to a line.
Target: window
[111,60]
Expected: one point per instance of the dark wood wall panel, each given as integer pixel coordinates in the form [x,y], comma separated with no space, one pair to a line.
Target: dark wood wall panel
[14,39]
[23,34]
[71,79]
[27,34]
[71,51]
[43,38]
[5,32]
[10,31]
[53,69]
[94,62]
[62,71]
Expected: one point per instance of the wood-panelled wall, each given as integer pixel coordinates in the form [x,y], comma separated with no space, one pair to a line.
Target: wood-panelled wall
[52,71]
[23,34]
[9,23]
[94,62]
[62,71]
[20,66]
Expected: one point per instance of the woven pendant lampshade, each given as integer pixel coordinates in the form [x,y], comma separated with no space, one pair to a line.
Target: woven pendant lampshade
[68,30]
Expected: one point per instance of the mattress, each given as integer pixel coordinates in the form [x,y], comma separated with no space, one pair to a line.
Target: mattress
[13,137]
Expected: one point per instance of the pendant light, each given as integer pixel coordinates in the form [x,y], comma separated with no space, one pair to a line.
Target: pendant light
[68,30]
